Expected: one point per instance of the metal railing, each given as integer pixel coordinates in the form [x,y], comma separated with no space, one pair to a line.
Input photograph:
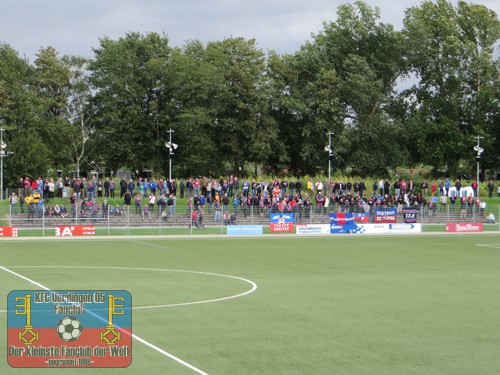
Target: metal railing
[163,219]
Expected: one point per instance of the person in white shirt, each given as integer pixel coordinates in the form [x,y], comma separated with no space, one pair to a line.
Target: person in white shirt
[491,218]
[13,203]
[151,201]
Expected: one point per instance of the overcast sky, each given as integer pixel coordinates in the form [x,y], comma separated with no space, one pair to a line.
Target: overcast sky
[75,27]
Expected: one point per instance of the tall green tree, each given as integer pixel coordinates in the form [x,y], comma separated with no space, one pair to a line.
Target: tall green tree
[51,81]
[245,130]
[368,57]
[343,81]
[195,86]
[80,116]
[306,104]
[450,50]
[127,75]
[19,103]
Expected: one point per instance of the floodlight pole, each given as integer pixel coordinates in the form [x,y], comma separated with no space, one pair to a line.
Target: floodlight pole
[330,157]
[170,131]
[1,162]
[478,159]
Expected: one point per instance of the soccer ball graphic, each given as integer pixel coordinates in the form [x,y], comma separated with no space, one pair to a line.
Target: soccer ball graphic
[69,328]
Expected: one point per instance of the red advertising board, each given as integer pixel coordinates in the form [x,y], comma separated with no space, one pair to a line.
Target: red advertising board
[72,230]
[281,227]
[8,232]
[464,227]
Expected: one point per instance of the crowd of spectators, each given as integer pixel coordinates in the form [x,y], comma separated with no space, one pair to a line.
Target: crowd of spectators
[234,196]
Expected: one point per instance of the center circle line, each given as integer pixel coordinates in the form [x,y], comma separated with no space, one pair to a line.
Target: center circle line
[251,290]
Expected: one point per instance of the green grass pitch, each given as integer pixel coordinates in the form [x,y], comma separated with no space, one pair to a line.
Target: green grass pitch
[397,305]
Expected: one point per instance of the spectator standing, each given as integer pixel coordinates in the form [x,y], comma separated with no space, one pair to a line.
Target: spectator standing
[246,187]
[154,186]
[475,187]
[387,187]
[13,199]
[403,186]
[123,187]
[443,199]
[425,188]
[458,187]
[151,202]
[160,186]
[463,208]
[196,186]
[411,187]
[217,210]
[138,203]
[433,188]
[310,186]
[171,202]
[189,188]
[112,187]
[182,186]
[127,199]
[173,187]
[236,185]
[20,186]
[298,187]
[491,185]
[447,186]
[397,189]
[225,203]
[99,188]
[453,199]
[131,187]
[320,202]
[482,207]
[59,186]
[147,186]
[381,187]
[319,186]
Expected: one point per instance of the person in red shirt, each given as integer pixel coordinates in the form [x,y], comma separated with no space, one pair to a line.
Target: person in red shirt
[433,188]
[475,188]
[194,219]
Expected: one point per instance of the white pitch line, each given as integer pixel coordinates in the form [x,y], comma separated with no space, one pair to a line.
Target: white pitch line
[251,290]
[147,343]
[489,245]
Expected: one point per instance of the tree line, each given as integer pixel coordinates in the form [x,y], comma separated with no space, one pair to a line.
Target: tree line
[392,98]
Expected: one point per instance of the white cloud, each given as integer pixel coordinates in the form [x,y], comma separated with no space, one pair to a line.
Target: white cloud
[75,27]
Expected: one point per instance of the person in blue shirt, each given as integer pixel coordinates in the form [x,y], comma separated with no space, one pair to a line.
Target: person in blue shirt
[203,200]
[433,205]
[41,208]
[171,202]
[147,186]
[131,186]
[236,203]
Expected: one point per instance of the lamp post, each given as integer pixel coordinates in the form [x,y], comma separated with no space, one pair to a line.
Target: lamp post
[3,154]
[2,147]
[329,149]
[171,147]
[479,151]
